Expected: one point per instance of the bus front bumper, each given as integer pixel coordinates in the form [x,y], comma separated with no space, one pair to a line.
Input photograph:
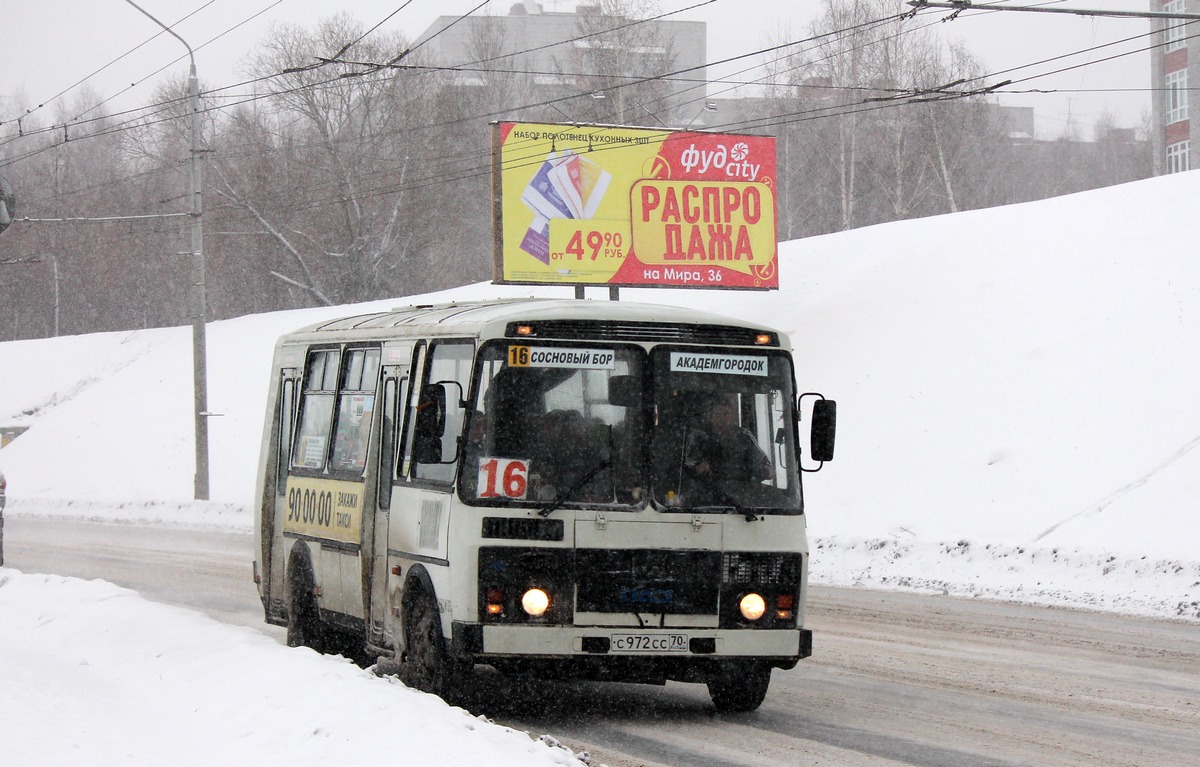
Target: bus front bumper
[540,641]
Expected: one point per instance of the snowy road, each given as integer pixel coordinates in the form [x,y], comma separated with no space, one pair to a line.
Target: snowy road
[896,678]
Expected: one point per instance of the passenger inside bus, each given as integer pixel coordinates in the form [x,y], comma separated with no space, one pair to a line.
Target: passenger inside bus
[568,452]
[578,429]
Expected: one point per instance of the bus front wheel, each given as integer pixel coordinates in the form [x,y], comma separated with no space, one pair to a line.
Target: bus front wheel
[427,665]
[739,687]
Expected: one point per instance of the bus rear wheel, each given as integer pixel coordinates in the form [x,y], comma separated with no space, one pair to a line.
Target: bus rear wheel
[739,687]
[304,628]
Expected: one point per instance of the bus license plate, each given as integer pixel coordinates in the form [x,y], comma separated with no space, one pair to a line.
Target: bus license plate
[649,642]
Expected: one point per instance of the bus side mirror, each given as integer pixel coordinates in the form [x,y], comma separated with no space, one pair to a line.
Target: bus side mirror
[440,412]
[824,428]
[430,424]
[459,400]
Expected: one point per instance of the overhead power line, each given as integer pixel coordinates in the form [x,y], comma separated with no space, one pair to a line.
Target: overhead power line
[965,5]
[359,39]
[85,78]
[372,68]
[79,119]
[938,93]
[905,98]
[100,219]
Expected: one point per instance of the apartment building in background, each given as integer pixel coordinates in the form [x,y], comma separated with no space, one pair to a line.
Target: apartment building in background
[553,51]
[1175,62]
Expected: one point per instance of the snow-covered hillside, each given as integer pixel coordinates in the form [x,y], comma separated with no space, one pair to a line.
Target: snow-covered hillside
[1022,376]
[1016,393]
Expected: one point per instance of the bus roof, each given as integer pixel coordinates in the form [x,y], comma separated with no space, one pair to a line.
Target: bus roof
[491,319]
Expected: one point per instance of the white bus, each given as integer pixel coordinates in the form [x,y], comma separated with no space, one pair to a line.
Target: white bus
[579,489]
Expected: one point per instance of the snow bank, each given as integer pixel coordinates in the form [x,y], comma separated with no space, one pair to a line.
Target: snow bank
[94,674]
[1061,577]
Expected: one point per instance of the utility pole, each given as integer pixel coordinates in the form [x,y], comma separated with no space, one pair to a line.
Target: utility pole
[199,301]
[54,263]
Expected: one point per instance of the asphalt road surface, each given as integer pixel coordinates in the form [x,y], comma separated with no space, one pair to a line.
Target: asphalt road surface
[896,679]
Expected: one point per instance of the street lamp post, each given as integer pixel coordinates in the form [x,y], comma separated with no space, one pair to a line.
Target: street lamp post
[199,301]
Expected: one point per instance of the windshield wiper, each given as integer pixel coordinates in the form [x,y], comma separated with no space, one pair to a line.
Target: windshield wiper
[570,492]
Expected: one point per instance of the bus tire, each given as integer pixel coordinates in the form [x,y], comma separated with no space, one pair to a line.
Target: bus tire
[427,665]
[739,687]
[304,627]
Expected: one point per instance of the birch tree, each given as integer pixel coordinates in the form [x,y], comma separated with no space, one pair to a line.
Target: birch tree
[338,140]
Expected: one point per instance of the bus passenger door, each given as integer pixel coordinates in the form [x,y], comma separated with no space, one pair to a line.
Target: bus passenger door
[395,381]
[273,556]
[422,500]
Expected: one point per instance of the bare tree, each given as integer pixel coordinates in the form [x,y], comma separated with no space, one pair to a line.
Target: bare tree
[887,116]
[841,61]
[341,138]
[964,133]
[900,64]
[618,65]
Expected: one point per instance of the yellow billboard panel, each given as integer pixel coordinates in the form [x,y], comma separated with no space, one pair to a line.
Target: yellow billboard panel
[609,205]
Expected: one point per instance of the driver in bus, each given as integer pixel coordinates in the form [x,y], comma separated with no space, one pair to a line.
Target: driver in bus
[726,451]
[567,454]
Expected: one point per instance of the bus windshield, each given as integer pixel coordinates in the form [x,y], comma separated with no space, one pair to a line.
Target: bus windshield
[555,425]
[724,434]
[608,425]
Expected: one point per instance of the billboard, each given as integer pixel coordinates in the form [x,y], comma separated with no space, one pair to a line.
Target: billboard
[633,207]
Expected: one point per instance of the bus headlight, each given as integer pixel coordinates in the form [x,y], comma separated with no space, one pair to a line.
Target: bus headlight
[753,606]
[536,602]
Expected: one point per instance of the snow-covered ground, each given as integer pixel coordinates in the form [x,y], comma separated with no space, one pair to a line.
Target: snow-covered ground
[95,675]
[1017,420]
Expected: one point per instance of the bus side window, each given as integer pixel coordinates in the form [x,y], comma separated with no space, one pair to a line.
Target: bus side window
[410,410]
[287,410]
[316,409]
[392,395]
[355,410]
[449,363]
